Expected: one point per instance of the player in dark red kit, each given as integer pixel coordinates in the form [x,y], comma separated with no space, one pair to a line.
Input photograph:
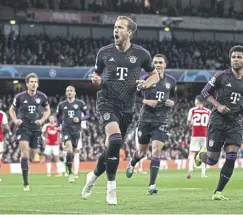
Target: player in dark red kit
[153,121]
[117,69]
[225,126]
[30,105]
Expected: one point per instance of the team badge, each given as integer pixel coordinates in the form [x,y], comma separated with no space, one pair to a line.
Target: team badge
[133,59]
[37,101]
[107,116]
[167,85]
[75,106]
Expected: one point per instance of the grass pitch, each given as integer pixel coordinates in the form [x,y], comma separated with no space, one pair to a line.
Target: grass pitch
[177,195]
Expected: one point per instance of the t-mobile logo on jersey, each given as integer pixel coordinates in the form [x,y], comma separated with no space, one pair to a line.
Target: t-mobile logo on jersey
[31,109]
[159,96]
[71,113]
[121,73]
[235,97]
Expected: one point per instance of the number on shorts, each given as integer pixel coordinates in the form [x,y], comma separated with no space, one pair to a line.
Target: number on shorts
[200,119]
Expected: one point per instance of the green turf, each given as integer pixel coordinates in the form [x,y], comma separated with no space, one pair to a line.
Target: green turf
[176,195]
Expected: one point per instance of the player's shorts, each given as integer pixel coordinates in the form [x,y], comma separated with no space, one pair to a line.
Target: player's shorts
[68,134]
[26,134]
[108,113]
[197,143]
[52,150]
[1,147]
[152,131]
[223,134]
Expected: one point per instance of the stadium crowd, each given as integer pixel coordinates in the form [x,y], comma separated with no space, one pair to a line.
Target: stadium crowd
[162,7]
[63,51]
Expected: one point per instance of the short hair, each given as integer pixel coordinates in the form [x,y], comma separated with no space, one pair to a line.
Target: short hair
[199,98]
[161,55]
[29,76]
[131,24]
[237,48]
[70,86]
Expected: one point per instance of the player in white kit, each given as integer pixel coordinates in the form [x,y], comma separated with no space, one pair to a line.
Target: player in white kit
[197,119]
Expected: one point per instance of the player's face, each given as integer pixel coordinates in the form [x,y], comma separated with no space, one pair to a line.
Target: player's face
[159,64]
[121,32]
[52,119]
[70,92]
[237,60]
[33,84]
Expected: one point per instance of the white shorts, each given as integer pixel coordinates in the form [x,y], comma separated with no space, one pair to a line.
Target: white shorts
[52,150]
[197,143]
[1,147]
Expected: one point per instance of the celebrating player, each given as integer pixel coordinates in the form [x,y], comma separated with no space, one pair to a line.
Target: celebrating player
[51,133]
[69,113]
[30,104]
[225,127]
[197,119]
[119,64]
[153,121]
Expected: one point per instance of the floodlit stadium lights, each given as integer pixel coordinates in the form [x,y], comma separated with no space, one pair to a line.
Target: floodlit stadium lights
[166,29]
[12,22]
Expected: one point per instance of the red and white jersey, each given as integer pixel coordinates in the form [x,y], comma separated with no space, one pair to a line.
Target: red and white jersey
[199,116]
[52,134]
[3,121]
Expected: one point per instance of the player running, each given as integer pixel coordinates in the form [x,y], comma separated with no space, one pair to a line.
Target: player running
[224,91]
[69,114]
[117,69]
[153,121]
[30,105]
[197,119]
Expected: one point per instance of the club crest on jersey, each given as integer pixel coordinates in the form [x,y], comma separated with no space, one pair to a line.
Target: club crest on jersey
[37,101]
[75,106]
[106,116]
[133,59]
[167,85]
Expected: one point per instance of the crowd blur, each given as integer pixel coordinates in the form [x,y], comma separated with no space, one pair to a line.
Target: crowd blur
[215,8]
[65,51]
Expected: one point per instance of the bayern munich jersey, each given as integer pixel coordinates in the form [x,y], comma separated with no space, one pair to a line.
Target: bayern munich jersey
[199,116]
[51,134]
[3,121]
